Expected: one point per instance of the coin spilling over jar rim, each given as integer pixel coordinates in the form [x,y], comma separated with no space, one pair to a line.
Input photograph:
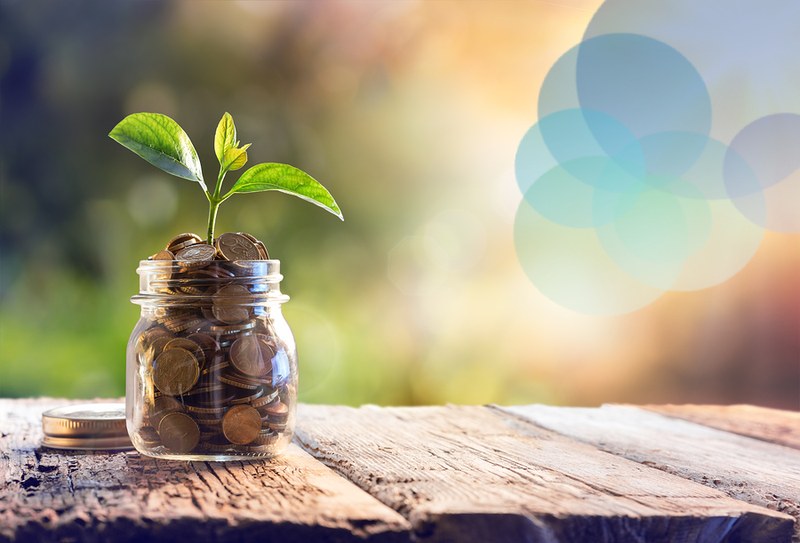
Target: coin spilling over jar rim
[88,427]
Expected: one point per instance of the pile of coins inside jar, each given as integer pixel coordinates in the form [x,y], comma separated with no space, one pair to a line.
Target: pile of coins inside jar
[216,376]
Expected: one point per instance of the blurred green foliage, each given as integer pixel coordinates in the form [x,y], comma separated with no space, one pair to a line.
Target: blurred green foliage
[78,212]
[410,113]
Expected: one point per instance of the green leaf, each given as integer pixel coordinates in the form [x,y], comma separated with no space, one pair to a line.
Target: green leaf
[235,158]
[225,138]
[288,179]
[161,142]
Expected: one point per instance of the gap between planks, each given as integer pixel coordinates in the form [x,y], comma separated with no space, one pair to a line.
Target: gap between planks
[49,495]
[744,468]
[773,425]
[469,473]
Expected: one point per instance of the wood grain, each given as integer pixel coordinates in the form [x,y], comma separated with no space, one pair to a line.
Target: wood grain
[773,425]
[70,496]
[469,474]
[744,468]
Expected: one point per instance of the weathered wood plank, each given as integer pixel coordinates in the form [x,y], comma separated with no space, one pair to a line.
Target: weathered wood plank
[474,474]
[69,496]
[744,468]
[773,425]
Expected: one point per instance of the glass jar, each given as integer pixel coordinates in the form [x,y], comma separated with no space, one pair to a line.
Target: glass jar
[212,363]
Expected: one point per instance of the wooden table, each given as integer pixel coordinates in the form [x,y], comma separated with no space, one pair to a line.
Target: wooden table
[455,473]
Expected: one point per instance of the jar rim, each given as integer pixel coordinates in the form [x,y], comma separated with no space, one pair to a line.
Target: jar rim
[161,281]
[147,263]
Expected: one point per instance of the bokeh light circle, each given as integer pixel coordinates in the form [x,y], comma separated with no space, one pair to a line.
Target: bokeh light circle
[571,268]
[643,84]
[762,171]
[743,50]
[628,190]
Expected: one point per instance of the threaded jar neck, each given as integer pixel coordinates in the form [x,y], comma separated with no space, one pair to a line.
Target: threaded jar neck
[243,282]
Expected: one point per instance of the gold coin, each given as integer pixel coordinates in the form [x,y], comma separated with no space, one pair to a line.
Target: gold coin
[238,383]
[236,247]
[162,406]
[189,345]
[148,337]
[262,249]
[228,302]
[163,255]
[179,432]
[157,346]
[163,268]
[241,424]
[207,343]
[180,321]
[175,371]
[247,358]
[218,411]
[216,367]
[191,289]
[182,241]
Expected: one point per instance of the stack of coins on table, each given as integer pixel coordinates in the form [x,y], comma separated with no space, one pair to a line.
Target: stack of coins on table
[217,376]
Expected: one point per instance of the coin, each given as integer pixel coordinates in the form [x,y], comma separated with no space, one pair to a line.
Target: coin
[160,407]
[221,398]
[249,398]
[207,343]
[190,288]
[241,424]
[236,247]
[209,362]
[209,422]
[262,249]
[233,328]
[219,270]
[268,398]
[175,371]
[163,255]
[246,356]
[277,412]
[214,411]
[266,437]
[149,436]
[176,319]
[214,388]
[148,337]
[179,432]
[189,345]
[196,256]
[228,304]
[182,241]
[157,346]
[216,367]
[249,236]
[233,381]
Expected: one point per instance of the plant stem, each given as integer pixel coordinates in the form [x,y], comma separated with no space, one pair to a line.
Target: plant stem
[213,206]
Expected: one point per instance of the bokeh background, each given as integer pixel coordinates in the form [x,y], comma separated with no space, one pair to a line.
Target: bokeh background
[411,114]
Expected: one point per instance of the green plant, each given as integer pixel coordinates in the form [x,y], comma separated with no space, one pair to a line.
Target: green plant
[163,143]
